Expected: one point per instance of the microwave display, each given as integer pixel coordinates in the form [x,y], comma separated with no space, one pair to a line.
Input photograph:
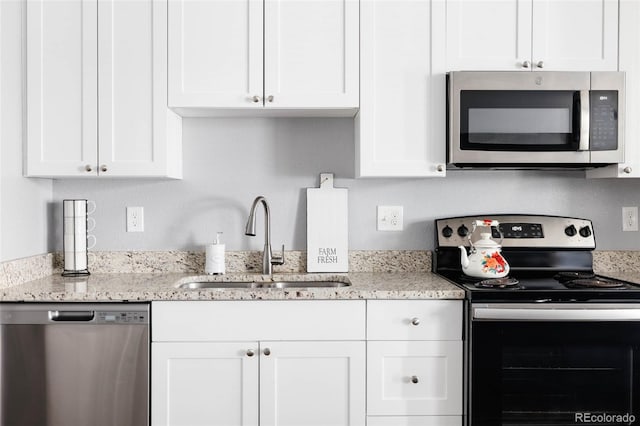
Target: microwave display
[501,120]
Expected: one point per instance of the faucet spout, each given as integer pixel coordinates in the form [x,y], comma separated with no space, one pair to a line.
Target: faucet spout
[268,259]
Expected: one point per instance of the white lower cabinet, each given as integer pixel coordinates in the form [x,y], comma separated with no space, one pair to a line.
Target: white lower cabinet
[414,363]
[312,362]
[415,421]
[263,381]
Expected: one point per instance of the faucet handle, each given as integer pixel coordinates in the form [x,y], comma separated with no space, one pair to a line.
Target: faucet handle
[278,259]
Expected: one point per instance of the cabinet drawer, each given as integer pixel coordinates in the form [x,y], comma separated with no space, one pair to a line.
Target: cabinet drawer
[414,320]
[414,378]
[257,320]
[415,421]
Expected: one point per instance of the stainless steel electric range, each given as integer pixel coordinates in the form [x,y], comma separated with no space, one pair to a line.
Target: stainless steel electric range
[552,343]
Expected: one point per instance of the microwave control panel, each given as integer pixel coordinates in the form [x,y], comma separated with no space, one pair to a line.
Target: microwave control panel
[603,120]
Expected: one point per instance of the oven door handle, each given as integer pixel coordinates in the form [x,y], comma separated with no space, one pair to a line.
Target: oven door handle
[523,314]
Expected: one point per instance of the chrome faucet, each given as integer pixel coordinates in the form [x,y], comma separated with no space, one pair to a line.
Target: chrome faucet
[268,259]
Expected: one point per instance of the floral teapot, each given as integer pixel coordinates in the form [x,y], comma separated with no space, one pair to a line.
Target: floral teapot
[484,260]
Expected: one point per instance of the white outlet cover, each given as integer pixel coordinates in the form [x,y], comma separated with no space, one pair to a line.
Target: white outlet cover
[135,219]
[390,218]
[630,218]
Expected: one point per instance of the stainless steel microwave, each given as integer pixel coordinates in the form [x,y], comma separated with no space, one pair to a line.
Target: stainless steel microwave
[511,119]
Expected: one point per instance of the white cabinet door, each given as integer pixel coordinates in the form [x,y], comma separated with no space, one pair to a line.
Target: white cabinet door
[198,384]
[490,35]
[61,122]
[400,128]
[319,383]
[215,53]
[135,136]
[414,378]
[311,54]
[571,35]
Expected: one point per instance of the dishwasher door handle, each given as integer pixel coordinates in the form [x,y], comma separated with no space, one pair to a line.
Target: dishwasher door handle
[71,315]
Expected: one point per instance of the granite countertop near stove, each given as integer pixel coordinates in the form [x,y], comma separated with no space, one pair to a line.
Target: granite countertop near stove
[101,287]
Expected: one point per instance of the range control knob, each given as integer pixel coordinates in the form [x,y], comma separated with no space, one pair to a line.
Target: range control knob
[585,231]
[570,230]
[463,231]
[447,231]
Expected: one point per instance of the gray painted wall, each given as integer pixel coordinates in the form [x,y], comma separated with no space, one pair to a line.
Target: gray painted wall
[25,203]
[227,162]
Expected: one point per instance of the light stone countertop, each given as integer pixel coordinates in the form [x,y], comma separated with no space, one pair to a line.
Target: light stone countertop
[101,287]
[631,276]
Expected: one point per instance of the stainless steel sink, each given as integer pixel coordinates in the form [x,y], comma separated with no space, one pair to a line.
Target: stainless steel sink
[217,284]
[196,285]
[307,284]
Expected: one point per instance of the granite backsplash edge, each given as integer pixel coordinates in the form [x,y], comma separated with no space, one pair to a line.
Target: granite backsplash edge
[19,271]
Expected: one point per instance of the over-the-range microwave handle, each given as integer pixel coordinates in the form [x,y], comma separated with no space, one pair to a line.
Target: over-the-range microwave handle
[568,312]
[584,121]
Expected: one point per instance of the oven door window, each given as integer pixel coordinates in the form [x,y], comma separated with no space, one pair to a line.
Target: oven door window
[544,373]
[517,120]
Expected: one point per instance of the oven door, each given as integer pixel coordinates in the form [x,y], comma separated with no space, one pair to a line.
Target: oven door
[554,364]
[519,118]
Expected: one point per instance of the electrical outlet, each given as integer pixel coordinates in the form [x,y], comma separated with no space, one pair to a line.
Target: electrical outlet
[390,218]
[630,218]
[135,219]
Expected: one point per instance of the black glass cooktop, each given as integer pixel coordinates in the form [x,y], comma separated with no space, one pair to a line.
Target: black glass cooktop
[564,286]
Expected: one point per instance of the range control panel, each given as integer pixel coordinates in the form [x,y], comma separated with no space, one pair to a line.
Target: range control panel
[524,231]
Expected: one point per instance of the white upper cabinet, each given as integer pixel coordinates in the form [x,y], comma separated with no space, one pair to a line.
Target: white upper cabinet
[62,94]
[558,35]
[400,128]
[96,90]
[630,64]
[243,56]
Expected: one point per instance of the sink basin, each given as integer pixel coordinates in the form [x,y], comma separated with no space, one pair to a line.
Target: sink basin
[196,285]
[217,284]
[307,284]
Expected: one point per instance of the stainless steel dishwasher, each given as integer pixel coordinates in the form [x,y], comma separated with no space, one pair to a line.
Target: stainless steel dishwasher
[74,364]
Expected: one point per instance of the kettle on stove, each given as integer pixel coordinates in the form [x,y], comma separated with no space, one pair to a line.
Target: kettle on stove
[484,259]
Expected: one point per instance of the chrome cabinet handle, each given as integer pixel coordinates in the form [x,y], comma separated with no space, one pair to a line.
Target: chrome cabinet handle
[627,170]
[267,351]
[440,167]
[414,379]
[270,98]
[88,168]
[540,64]
[255,99]
[526,64]
[103,168]
[415,321]
[250,352]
